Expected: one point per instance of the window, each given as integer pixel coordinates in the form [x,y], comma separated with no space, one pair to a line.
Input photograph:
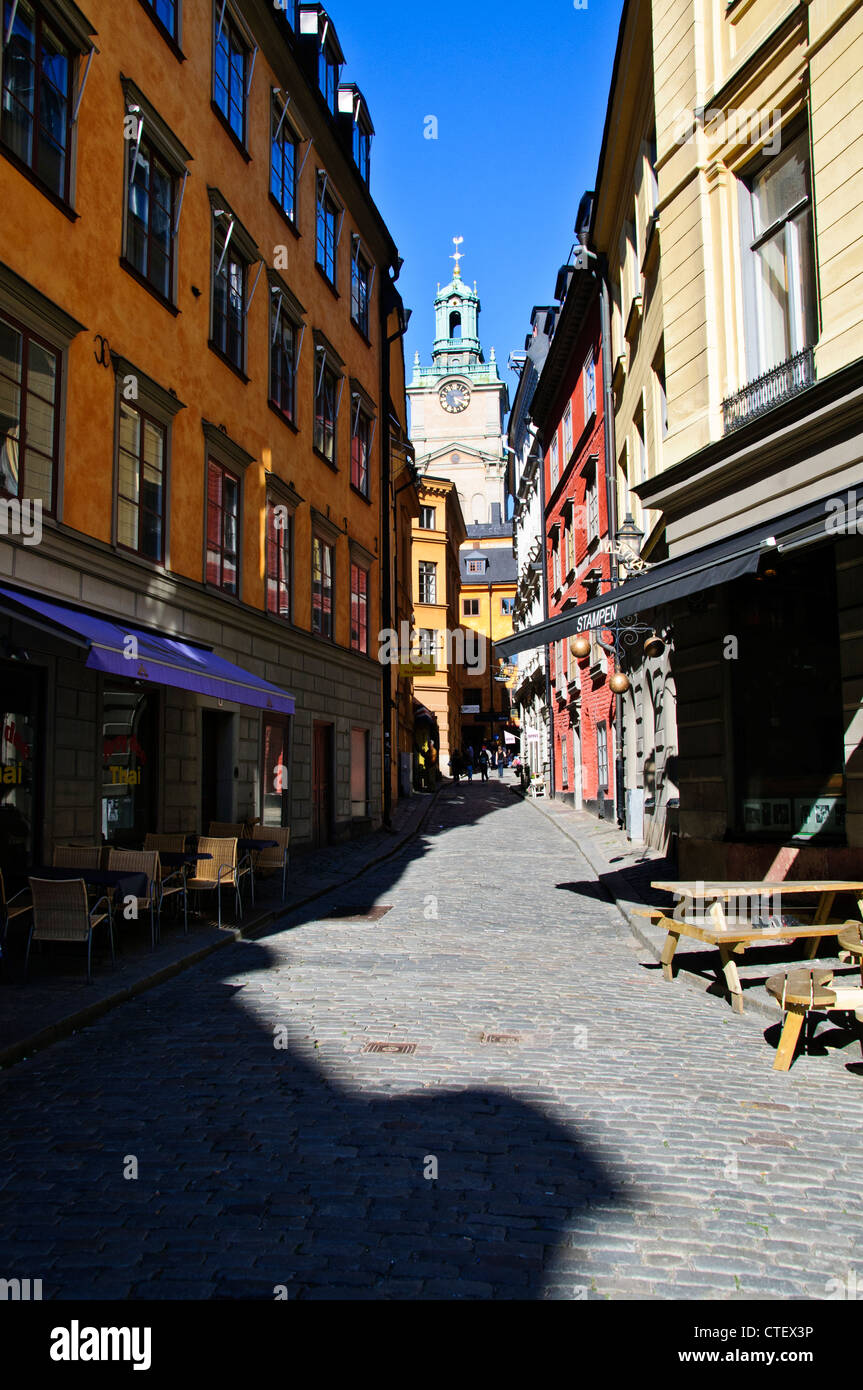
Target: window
[428,581]
[361,444]
[359,772]
[322,588]
[284,357]
[555,462]
[652,181]
[150,221]
[280,552]
[564,763]
[328,76]
[359,609]
[36,120]
[427,518]
[589,388]
[165,11]
[326,409]
[640,446]
[360,289]
[470,607]
[592,503]
[275,800]
[229,296]
[567,433]
[362,149]
[428,643]
[507,607]
[555,563]
[141,483]
[29,415]
[779,286]
[475,566]
[659,369]
[602,756]
[328,228]
[230,72]
[223,527]
[130,762]
[570,544]
[284,144]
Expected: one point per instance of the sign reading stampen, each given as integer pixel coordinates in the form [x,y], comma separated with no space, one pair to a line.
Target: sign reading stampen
[599,618]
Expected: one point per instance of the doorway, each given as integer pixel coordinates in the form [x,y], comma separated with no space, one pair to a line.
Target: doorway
[322,781]
[217,761]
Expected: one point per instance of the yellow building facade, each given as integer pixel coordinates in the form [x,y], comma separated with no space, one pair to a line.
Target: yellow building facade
[438,532]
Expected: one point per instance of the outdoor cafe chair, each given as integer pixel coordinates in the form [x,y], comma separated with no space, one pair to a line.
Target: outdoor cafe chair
[77,856]
[221,868]
[278,857]
[160,887]
[170,844]
[236,830]
[13,907]
[61,912]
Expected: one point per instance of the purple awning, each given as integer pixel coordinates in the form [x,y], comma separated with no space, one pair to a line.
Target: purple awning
[123,650]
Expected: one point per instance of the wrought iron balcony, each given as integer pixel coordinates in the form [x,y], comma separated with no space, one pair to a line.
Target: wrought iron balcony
[769,390]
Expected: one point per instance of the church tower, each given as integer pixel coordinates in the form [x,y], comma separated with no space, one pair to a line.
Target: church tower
[458,405]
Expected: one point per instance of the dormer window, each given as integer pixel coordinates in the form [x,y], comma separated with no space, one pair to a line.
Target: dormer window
[363,149]
[328,75]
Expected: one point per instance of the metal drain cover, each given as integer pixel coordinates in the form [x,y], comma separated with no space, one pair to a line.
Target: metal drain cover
[357,914]
[502,1039]
[393,1048]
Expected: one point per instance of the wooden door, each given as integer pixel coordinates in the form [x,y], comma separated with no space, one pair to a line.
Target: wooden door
[322,771]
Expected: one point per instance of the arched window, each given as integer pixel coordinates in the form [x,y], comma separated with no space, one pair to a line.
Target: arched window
[455,324]
[478,509]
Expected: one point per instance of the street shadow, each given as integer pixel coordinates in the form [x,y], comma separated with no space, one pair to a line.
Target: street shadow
[587,888]
[310,1170]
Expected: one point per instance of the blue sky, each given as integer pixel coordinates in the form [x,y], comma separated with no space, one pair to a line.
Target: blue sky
[519,91]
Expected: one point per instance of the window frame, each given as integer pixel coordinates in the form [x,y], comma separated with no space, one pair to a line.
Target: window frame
[554,461]
[320,542]
[146,417]
[328,204]
[226,471]
[427,571]
[360,608]
[589,378]
[172,36]
[470,608]
[27,335]
[280,318]
[424,511]
[282,573]
[602,763]
[287,134]
[361,282]
[361,418]
[73,50]
[232,25]
[326,374]
[328,63]
[156,154]
[238,253]
[567,433]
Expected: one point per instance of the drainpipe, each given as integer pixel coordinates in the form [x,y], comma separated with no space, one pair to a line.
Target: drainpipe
[611,513]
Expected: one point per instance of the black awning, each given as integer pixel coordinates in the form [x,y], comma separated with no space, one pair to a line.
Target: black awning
[672,579]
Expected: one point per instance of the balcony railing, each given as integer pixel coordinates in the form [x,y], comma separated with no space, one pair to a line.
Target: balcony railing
[769,390]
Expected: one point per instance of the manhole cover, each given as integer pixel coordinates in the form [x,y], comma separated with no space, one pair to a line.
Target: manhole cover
[502,1039]
[393,1048]
[357,914]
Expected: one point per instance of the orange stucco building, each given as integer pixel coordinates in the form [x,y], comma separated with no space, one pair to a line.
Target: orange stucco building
[201,385]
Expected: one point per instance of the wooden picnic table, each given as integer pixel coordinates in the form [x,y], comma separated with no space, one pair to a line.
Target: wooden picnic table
[732,937]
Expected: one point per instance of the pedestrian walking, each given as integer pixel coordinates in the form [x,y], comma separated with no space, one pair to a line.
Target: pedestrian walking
[501,761]
[455,765]
[483,765]
[469,760]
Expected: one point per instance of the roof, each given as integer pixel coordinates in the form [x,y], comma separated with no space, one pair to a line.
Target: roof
[501,568]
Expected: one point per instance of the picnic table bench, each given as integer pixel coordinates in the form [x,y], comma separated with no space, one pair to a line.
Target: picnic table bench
[731,934]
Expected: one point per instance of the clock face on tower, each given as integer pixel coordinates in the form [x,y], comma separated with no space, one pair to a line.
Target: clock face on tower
[454,396]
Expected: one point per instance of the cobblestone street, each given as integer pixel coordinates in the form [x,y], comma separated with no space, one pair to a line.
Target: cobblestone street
[627,1138]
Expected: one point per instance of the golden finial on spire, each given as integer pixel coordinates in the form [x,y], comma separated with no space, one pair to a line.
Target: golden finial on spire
[457,241]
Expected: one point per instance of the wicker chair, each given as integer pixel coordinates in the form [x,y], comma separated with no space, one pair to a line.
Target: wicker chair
[238,830]
[212,874]
[277,858]
[77,857]
[61,912]
[13,907]
[170,844]
[159,887]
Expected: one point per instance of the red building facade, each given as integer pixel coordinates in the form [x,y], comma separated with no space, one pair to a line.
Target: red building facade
[568,412]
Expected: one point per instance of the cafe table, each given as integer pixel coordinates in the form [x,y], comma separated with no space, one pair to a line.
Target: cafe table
[172,859]
[709,912]
[248,847]
[125,884]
